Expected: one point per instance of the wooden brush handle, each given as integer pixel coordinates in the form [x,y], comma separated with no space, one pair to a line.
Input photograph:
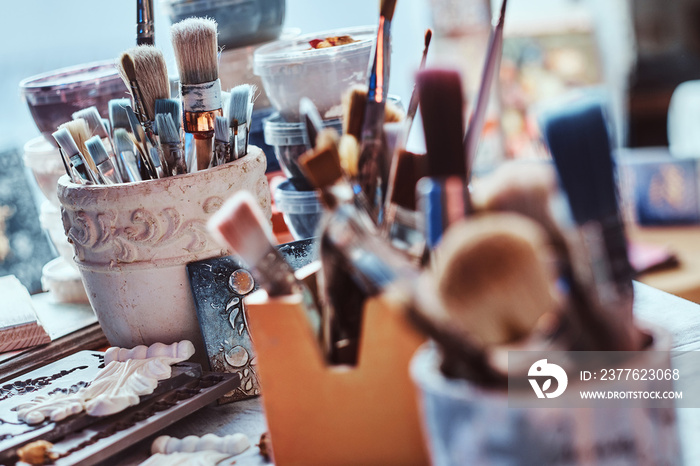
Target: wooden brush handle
[203,151]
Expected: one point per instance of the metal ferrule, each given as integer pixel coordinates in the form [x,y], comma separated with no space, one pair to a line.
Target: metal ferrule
[144,23]
[201,122]
[128,159]
[109,172]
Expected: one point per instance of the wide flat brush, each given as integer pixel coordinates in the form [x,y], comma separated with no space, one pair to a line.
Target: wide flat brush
[103,161]
[127,153]
[578,139]
[493,59]
[372,167]
[222,144]
[195,45]
[238,119]
[241,225]
[171,144]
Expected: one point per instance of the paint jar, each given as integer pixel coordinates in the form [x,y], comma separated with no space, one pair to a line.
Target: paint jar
[53,97]
[467,424]
[133,241]
[289,141]
[292,69]
[302,210]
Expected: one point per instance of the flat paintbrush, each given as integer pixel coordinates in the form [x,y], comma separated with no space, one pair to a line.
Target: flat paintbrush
[80,132]
[493,56]
[222,143]
[127,153]
[238,119]
[241,225]
[195,45]
[69,153]
[171,144]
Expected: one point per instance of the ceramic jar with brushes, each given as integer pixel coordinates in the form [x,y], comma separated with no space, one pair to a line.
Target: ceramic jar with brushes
[135,206]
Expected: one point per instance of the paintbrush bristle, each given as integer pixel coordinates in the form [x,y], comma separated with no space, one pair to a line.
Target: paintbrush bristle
[221,130]
[238,105]
[349,151]
[80,132]
[495,277]
[123,141]
[92,116]
[321,165]
[386,9]
[117,113]
[428,37]
[127,69]
[146,65]
[242,226]
[195,46]
[410,168]
[441,104]
[96,149]
[168,133]
[172,107]
[66,142]
[354,103]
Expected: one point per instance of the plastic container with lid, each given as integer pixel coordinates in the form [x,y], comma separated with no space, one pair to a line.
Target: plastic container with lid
[289,141]
[292,69]
[44,160]
[240,22]
[302,210]
[53,97]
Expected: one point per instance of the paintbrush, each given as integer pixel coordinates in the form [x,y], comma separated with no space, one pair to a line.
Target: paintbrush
[195,46]
[80,132]
[222,144]
[128,154]
[143,69]
[578,139]
[238,119]
[117,114]
[77,172]
[413,103]
[145,32]
[171,106]
[146,165]
[103,161]
[493,59]
[444,193]
[171,145]
[372,167]
[241,225]
[98,127]
[313,123]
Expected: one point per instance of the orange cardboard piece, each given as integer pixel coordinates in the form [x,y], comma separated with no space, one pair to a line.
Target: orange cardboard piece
[321,415]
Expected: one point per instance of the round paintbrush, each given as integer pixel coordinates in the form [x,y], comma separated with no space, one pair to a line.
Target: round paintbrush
[195,45]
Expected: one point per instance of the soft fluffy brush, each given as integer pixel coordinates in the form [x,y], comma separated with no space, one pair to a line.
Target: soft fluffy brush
[195,46]
[146,65]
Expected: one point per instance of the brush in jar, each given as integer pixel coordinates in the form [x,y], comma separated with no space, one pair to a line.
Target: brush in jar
[443,195]
[530,189]
[144,71]
[171,144]
[80,132]
[98,127]
[128,154]
[195,45]
[146,165]
[401,223]
[494,284]
[577,136]
[145,32]
[413,102]
[72,158]
[241,225]
[171,107]
[103,161]
[239,101]
[222,142]
[491,66]
[357,264]
[117,114]
[372,170]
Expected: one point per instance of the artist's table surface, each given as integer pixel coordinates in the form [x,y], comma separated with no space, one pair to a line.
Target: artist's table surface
[680,317]
[684,241]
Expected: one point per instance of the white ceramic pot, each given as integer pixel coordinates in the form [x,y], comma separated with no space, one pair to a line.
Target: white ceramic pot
[132,242]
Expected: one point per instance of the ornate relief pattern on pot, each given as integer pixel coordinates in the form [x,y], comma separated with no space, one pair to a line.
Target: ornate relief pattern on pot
[138,235]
